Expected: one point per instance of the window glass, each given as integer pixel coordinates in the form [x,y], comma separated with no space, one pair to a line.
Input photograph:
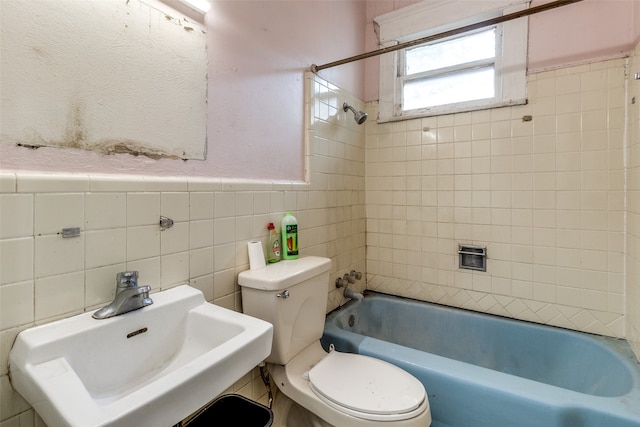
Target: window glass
[449,88]
[460,50]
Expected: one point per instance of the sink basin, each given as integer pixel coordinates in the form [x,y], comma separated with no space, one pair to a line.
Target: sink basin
[149,367]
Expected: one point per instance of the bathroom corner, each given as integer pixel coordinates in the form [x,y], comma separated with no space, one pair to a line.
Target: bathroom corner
[633,201]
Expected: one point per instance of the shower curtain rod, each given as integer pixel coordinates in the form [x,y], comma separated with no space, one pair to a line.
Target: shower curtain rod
[448,33]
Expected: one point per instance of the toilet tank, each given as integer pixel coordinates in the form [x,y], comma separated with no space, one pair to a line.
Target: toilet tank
[292,296]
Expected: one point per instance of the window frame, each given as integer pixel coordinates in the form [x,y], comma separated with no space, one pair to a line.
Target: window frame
[434,16]
[403,78]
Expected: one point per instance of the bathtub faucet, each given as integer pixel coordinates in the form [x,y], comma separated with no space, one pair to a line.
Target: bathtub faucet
[350,293]
[129,296]
[343,282]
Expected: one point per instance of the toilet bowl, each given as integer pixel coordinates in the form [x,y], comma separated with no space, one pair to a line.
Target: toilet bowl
[352,400]
[337,389]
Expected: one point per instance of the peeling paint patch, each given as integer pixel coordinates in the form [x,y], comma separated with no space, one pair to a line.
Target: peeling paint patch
[132,147]
[108,148]
[75,136]
[30,146]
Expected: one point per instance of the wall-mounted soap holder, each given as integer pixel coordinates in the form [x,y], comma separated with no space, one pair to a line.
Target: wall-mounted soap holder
[472,257]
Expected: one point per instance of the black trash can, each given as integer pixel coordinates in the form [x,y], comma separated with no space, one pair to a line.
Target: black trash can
[232,410]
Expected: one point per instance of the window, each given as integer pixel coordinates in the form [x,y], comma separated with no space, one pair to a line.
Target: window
[480,69]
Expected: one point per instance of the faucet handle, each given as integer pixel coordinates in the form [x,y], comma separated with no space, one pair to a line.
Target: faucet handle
[127,279]
[357,275]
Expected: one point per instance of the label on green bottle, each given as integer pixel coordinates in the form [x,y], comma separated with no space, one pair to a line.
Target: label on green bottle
[291,231]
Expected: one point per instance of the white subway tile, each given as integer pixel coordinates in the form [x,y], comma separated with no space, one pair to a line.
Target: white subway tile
[55,211]
[17,303]
[17,261]
[16,215]
[244,228]
[175,205]
[174,269]
[201,205]
[143,242]
[105,210]
[58,295]
[224,230]
[56,255]
[143,209]
[106,247]
[201,234]
[224,256]
[201,262]
[226,205]
[261,202]
[244,203]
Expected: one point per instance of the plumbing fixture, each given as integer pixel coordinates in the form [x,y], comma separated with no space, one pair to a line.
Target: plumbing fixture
[129,296]
[356,275]
[165,223]
[284,294]
[353,276]
[359,116]
[342,281]
[70,232]
[350,293]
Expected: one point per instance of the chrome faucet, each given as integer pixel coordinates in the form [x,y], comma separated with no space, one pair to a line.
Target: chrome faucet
[129,296]
[350,293]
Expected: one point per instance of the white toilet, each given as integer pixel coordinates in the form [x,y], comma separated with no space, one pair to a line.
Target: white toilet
[335,389]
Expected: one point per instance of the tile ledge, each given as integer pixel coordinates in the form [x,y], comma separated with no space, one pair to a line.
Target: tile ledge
[30,182]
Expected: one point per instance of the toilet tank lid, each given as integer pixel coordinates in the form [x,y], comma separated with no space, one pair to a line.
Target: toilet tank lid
[285,273]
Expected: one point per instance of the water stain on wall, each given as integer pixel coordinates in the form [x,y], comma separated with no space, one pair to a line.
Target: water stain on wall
[76,136]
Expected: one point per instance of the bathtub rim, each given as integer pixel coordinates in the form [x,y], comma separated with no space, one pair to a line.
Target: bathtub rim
[566,403]
[618,347]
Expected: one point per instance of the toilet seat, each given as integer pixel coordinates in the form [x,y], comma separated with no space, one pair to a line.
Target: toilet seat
[366,387]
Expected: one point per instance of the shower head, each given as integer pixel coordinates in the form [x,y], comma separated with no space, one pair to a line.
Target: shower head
[359,116]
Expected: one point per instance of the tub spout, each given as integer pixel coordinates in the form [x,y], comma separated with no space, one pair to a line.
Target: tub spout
[350,293]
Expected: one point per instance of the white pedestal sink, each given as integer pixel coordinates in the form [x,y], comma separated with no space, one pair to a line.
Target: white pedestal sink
[149,367]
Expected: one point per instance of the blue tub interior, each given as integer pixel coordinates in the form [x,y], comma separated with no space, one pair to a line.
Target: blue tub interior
[484,370]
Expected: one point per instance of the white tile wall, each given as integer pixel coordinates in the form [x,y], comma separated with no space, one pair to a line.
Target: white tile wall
[545,196]
[16,211]
[44,277]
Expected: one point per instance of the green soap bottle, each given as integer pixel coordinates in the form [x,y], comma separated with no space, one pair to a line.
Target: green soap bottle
[289,237]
